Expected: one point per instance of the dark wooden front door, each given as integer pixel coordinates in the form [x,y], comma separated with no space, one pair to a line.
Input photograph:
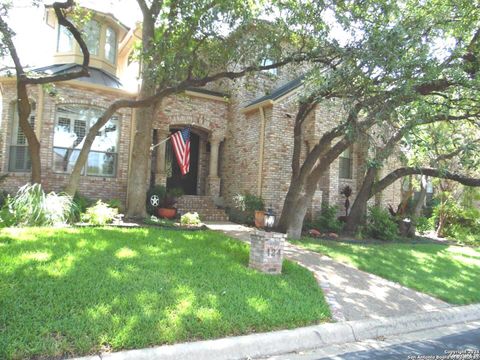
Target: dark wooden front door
[188,182]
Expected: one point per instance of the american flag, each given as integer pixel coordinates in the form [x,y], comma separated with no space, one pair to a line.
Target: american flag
[181,147]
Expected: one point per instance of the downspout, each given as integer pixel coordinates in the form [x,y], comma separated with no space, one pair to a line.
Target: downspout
[39,112]
[261,151]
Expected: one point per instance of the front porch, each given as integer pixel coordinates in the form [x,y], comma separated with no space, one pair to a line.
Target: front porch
[203,178]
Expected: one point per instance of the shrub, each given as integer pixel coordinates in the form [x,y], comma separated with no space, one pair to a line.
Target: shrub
[116,204]
[100,214]
[246,204]
[31,207]
[423,224]
[238,216]
[380,225]
[3,198]
[190,219]
[81,203]
[153,220]
[327,220]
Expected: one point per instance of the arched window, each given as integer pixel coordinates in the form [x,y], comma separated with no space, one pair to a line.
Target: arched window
[111,45]
[19,157]
[72,125]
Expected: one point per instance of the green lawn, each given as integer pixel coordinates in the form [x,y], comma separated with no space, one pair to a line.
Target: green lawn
[83,290]
[450,273]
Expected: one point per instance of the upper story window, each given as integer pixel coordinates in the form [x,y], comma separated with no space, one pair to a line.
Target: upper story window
[345,164]
[110,45]
[65,40]
[92,37]
[72,125]
[19,157]
[100,40]
[267,62]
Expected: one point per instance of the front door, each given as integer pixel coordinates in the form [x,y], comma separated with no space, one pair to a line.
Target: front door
[188,182]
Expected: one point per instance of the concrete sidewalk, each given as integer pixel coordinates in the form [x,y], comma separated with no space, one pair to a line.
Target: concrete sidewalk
[351,293]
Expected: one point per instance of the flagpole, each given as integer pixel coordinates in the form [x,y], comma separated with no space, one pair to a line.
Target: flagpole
[160,143]
[165,140]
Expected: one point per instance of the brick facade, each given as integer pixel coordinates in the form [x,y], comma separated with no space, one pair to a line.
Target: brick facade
[229,136]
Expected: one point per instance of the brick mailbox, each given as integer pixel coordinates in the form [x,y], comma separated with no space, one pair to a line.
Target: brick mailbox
[266,251]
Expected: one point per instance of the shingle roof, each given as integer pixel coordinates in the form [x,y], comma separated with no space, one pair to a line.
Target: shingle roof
[279,92]
[97,76]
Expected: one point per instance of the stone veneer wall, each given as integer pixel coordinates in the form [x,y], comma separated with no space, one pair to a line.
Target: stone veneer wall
[91,186]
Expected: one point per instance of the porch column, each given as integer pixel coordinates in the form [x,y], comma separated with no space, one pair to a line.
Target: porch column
[213,179]
[161,173]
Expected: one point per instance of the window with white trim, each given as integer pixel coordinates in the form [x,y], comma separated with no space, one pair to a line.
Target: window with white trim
[72,125]
[19,157]
[92,36]
[111,45]
[64,40]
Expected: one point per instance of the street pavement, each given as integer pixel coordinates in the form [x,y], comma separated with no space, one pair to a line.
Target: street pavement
[461,340]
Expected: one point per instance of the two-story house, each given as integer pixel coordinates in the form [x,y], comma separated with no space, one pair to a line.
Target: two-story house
[242,136]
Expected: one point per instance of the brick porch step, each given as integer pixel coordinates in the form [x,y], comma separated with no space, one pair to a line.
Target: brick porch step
[203,205]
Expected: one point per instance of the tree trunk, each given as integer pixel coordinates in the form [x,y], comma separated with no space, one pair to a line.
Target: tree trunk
[138,175]
[417,210]
[297,215]
[295,223]
[288,212]
[24,110]
[358,211]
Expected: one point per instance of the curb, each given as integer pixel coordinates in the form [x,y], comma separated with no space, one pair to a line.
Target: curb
[307,338]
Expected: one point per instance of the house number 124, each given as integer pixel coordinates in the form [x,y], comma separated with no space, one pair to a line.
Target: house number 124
[273,252]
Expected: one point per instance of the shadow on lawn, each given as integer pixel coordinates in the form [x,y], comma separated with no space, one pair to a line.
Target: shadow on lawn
[431,268]
[79,291]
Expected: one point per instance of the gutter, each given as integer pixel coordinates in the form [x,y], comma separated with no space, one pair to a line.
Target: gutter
[261,151]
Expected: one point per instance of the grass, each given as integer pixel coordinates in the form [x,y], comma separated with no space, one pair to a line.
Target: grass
[73,292]
[450,273]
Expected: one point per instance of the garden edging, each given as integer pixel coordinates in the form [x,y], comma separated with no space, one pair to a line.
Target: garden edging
[306,338]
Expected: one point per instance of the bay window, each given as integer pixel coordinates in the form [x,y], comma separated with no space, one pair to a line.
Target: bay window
[72,125]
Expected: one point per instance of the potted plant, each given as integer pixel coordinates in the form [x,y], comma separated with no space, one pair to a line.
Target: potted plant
[166,208]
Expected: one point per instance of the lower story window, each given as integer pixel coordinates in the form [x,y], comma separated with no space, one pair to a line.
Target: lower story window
[19,156]
[345,165]
[72,126]
[19,159]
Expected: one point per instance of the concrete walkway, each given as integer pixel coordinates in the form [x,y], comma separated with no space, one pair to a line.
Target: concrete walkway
[352,294]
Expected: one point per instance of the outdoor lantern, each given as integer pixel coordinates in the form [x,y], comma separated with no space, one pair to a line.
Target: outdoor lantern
[269,219]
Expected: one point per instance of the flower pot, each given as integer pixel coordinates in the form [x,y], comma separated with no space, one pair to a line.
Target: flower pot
[167,213]
[259,218]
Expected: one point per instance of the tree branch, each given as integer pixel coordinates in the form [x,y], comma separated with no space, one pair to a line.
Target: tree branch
[437,173]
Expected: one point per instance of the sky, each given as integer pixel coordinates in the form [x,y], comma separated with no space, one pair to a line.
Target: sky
[35,41]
